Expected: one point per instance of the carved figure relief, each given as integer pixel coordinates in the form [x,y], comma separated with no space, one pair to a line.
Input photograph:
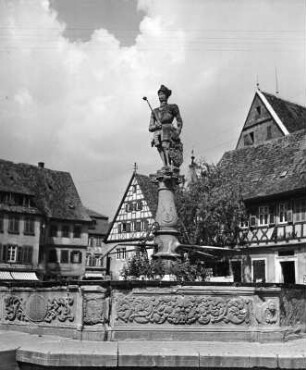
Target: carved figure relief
[57,308]
[60,309]
[267,312]
[94,310]
[182,310]
[14,309]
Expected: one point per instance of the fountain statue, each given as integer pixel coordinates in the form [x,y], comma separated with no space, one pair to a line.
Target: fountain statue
[166,125]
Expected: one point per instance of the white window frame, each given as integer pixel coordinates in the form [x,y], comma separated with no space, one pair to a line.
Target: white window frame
[261,221]
[12,251]
[121,253]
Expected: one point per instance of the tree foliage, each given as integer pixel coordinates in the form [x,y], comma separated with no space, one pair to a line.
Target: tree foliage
[211,209]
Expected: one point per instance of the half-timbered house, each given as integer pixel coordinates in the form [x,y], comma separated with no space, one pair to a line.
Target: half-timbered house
[269,164]
[131,228]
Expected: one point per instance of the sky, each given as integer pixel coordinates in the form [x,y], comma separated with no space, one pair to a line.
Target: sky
[73,74]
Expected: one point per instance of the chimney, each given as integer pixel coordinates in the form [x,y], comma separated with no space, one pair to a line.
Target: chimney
[41,164]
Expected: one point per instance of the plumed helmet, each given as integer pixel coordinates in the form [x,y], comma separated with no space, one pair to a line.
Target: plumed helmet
[165,90]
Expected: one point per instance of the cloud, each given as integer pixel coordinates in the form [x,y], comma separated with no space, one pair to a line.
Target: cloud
[77,105]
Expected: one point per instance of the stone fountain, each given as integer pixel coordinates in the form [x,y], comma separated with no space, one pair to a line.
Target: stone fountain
[166,138]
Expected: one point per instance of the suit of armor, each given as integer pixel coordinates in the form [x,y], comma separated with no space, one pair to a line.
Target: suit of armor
[166,136]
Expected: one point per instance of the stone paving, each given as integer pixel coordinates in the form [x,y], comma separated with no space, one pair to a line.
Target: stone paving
[21,350]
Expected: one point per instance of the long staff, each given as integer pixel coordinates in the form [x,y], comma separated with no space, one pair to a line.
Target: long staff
[157,119]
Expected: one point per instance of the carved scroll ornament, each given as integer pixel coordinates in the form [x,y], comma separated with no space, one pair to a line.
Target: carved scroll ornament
[180,310]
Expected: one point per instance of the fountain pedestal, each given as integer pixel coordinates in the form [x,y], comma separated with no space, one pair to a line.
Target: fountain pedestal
[166,236]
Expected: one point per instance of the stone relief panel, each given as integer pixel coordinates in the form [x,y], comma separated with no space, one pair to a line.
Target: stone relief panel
[182,310]
[95,309]
[39,309]
[267,312]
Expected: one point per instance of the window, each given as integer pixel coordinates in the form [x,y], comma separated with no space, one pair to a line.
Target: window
[121,253]
[263,216]
[1,223]
[11,255]
[125,227]
[29,226]
[76,257]
[65,231]
[91,241]
[53,231]
[248,139]
[258,109]
[139,205]
[64,256]
[77,231]
[259,271]
[52,256]
[13,225]
[282,214]
[138,226]
[237,271]
[145,225]
[244,224]
[269,132]
[134,188]
[300,210]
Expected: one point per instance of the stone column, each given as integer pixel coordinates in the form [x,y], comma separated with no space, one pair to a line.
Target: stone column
[166,237]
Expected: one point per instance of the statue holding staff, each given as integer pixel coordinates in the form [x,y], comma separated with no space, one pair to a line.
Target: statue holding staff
[166,135]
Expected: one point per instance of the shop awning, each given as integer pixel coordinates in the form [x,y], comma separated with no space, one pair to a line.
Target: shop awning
[93,275]
[5,275]
[24,275]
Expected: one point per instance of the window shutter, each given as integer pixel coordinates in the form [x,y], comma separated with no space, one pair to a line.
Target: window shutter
[253,221]
[4,253]
[119,229]
[20,255]
[30,254]
[1,252]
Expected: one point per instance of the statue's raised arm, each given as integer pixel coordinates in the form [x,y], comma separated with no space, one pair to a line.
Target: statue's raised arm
[166,134]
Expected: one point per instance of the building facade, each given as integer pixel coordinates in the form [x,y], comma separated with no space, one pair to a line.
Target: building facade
[269,165]
[43,224]
[132,224]
[96,263]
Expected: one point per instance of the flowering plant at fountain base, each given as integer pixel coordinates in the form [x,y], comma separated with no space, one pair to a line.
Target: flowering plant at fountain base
[185,269]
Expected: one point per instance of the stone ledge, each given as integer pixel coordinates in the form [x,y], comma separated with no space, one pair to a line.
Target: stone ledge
[58,352]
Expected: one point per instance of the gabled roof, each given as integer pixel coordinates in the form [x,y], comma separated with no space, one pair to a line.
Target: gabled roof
[94,214]
[293,116]
[150,193]
[276,167]
[54,192]
[99,224]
